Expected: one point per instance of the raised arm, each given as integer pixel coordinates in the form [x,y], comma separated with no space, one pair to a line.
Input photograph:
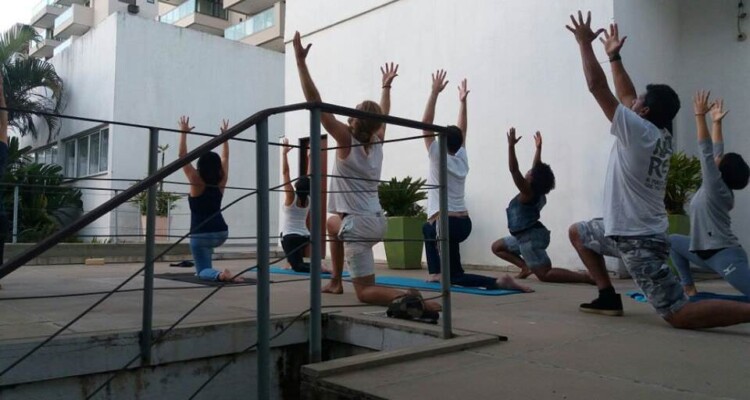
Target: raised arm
[188,169]
[463,93]
[224,157]
[595,78]
[624,88]
[521,183]
[390,72]
[700,108]
[288,188]
[538,145]
[337,129]
[717,115]
[438,84]
[3,114]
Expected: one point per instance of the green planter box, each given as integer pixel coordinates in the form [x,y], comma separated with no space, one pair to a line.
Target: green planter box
[404,255]
[679,224]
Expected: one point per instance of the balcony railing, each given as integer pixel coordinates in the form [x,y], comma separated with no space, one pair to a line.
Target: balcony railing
[64,17]
[190,7]
[254,24]
[39,7]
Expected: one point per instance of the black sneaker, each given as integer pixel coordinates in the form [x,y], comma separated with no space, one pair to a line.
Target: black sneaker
[609,305]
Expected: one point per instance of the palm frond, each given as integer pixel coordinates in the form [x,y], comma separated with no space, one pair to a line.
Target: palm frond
[15,41]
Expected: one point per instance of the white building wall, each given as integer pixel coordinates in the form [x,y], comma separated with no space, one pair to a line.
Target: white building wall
[136,70]
[163,72]
[523,69]
[87,71]
[710,57]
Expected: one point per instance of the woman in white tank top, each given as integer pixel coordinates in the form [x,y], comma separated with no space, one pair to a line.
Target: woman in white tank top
[354,203]
[294,233]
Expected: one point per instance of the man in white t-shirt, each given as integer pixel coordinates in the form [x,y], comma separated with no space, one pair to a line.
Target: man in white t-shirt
[635,221]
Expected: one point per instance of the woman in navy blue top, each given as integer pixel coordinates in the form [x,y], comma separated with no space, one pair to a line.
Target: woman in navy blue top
[208,229]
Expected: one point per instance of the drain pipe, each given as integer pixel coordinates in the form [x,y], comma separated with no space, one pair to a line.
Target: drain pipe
[264,286]
[316,337]
[443,236]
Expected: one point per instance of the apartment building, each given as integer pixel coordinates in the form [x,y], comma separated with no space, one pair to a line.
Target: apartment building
[254,22]
[150,62]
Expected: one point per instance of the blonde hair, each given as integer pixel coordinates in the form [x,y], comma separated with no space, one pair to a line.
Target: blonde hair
[364,129]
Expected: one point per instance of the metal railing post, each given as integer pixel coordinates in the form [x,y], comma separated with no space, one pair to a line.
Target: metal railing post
[316,190]
[263,272]
[117,223]
[148,273]
[443,236]
[15,214]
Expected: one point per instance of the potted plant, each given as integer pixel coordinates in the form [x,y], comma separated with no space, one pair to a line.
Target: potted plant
[165,202]
[683,180]
[399,198]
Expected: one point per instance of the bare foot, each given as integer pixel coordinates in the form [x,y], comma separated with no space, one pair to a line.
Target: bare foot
[334,286]
[226,276]
[326,269]
[434,306]
[506,282]
[433,278]
[690,290]
[525,272]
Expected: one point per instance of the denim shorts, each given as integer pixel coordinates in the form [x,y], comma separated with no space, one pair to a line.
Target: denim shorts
[531,245]
[645,257]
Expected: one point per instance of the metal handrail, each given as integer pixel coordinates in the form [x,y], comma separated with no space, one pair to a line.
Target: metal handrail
[21,259]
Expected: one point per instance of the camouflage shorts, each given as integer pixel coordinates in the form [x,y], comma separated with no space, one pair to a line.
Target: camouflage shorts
[645,258]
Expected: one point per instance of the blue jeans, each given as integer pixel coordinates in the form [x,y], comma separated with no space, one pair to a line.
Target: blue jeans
[459,229]
[202,246]
[730,263]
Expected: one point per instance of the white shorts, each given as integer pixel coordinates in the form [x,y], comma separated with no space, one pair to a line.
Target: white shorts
[359,234]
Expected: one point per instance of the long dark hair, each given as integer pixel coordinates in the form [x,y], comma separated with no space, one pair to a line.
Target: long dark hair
[209,168]
[302,189]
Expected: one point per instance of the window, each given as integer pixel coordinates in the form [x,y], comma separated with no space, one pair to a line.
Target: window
[87,154]
[47,155]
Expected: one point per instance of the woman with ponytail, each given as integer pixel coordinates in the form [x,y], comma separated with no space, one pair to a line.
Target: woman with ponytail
[208,230]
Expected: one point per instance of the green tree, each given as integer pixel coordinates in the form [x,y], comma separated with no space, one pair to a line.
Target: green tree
[30,83]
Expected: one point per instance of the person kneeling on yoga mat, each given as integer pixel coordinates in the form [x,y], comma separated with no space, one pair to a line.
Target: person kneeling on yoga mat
[208,229]
[711,243]
[459,222]
[357,223]
[526,247]
[294,233]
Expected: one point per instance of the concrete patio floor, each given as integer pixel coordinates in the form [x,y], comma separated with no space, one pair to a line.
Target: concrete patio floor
[553,352]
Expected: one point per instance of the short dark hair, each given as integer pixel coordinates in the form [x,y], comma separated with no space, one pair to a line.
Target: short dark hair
[302,188]
[209,168]
[542,179]
[663,105]
[455,139]
[734,171]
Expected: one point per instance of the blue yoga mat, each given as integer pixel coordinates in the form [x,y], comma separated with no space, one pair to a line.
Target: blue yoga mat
[640,297]
[398,281]
[285,271]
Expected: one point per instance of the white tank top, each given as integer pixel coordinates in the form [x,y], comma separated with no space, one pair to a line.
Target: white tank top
[354,196]
[295,219]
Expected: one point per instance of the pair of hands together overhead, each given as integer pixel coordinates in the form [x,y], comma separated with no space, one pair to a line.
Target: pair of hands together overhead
[702,106]
[583,33]
[184,124]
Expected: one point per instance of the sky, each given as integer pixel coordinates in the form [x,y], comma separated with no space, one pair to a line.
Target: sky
[13,11]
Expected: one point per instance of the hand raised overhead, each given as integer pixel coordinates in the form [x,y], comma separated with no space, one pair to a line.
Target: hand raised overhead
[438,81]
[582,29]
[390,72]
